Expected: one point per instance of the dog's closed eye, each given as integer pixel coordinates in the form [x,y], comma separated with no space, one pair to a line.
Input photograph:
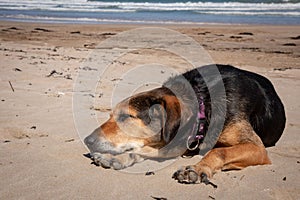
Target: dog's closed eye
[123,117]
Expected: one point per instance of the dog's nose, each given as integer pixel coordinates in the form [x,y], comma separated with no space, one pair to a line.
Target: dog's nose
[90,140]
[93,140]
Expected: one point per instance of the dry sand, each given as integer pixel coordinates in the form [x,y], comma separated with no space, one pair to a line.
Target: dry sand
[41,153]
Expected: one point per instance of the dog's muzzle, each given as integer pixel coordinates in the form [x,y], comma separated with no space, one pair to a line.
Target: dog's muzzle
[96,142]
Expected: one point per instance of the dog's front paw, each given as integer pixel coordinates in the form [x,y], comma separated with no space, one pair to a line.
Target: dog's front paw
[186,175]
[116,162]
[192,174]
[122,161]
[103,160]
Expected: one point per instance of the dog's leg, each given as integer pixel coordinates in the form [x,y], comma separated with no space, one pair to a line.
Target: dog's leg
[225,158]
[240,149]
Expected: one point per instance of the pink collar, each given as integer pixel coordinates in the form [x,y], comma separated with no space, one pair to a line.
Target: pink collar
[198,129]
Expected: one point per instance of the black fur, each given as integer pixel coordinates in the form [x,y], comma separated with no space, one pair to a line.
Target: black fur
[247,96]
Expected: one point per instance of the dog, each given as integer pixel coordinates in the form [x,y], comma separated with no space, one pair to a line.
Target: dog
[227,114]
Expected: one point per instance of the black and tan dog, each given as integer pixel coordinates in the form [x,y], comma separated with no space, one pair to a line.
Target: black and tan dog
[228,114]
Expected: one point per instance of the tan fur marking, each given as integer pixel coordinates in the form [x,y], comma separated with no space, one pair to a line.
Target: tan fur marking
[240,147]
[237,133]
[112,133]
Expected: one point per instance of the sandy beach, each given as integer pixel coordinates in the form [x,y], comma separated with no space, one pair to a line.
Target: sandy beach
[41,151]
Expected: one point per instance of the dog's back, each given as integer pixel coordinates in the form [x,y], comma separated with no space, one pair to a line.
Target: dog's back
[246,93]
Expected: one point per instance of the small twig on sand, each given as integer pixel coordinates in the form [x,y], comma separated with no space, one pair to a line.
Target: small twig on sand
[54,72]
[12,88]
[159,198]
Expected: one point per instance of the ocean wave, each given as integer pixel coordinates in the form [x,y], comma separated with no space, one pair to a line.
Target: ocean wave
[22,17]
[249,13]
[202,6]
[73,9]
[99,6]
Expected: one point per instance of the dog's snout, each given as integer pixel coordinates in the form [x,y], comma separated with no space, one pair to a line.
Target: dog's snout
[96,142]
[90,140]
[93,141]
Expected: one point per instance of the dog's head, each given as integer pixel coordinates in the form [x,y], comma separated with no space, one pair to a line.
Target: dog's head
[147,119]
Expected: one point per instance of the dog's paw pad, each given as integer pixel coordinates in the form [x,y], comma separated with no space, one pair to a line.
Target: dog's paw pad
[179,176]
[192,176]
[101,160]
[116,164]
[105,163]
[186,175]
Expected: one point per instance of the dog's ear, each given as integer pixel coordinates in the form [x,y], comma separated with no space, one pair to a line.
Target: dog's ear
[162,114]
[172,119]
[166,109]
